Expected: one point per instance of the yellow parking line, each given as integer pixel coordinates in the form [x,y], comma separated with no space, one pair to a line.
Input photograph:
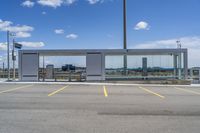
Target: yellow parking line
[54,92]
[186,90]
[15,89]
[154,93]
[105,91]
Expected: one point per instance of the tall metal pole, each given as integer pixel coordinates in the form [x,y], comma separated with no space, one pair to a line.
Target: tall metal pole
[125,37]
[8,54]
[124,17]
[13,58]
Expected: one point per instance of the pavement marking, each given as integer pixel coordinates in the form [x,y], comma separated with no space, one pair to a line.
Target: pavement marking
[186,90]
[105,91]
[22,87]
[154,93]
[54,92]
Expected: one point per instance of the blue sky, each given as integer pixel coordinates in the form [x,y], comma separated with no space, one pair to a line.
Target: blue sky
[98,24]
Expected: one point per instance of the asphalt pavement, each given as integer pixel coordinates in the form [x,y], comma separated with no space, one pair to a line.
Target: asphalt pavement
[68,108]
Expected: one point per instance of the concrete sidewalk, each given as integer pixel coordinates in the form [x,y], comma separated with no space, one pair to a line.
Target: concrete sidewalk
[91,83]
[2,80]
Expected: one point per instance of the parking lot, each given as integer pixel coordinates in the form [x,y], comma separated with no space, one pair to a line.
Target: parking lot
[51,108]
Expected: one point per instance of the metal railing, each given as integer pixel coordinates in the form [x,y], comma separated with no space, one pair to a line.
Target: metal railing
[4,74]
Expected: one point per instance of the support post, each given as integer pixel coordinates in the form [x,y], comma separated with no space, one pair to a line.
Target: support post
[125,64]
[19,65]
[179,66]
[175,66]
[185,57]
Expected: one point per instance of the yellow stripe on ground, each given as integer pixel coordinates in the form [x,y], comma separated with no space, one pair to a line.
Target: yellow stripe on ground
[54,92]
[105,91]
[186,90]
[154,93]
[18,88]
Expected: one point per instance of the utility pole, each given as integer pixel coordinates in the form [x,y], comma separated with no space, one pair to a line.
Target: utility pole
[13,59]
[8,54]
[125,37]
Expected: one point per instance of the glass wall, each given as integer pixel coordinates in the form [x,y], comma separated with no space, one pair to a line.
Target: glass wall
[62,68]
[114,66]
[140,67]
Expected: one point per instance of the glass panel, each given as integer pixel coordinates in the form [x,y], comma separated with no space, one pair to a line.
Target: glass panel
[62,68]
[114,66]
[157,66]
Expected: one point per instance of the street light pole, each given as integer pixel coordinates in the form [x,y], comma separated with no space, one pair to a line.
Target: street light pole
[125,37]
[8,54]
[124,16]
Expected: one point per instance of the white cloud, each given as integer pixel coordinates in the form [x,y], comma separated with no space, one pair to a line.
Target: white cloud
[21,31]
[59,31]
[18,28]
[72,36]
[44,13]
[69,2]
[93,1]
[32,44]
[28,3]
[192,43]
[55,3]
[4,24]
[50,3]
[142,26]
[3,46]
[22,35]
[59,3]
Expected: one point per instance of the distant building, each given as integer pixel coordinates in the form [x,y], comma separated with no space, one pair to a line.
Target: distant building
[194,73]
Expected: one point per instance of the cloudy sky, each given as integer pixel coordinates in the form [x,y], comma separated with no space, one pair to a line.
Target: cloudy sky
[91,24]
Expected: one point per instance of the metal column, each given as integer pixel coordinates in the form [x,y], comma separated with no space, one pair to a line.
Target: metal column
[179,66]
[175,65]
[125,36]
[185,61]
